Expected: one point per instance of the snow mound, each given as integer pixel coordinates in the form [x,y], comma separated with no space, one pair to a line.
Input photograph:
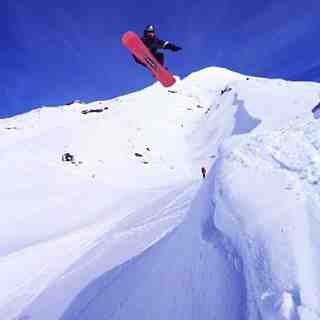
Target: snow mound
[268,202]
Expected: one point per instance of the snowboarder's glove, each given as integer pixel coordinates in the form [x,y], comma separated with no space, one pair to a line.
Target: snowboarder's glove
[173,47]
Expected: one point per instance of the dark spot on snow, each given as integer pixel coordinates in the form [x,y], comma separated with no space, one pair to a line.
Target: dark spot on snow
[145,162]
[316,111]
[68,157]
[172,91]
[203,172]
[94,110]
[138,154]
[11,128]
[225,90]
[148,149]
[199,106]
[244,122]
[190,109]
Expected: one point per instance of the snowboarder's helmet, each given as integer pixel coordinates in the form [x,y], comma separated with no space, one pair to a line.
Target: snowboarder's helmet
[150,29]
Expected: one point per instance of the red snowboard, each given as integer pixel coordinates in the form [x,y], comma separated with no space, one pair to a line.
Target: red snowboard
[133,42]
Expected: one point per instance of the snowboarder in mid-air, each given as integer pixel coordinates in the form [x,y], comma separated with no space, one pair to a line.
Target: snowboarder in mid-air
[154,44]
[145,52]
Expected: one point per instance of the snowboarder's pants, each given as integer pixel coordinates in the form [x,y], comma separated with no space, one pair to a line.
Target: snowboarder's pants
[160,57]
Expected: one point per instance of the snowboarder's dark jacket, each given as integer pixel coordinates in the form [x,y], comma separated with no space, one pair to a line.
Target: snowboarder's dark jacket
[155,44]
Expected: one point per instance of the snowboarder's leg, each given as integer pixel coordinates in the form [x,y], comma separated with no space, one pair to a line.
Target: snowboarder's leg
[137,60]
[160,57]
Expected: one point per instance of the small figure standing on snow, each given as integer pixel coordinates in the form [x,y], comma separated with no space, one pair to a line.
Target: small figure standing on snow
[154,44]
[204,172]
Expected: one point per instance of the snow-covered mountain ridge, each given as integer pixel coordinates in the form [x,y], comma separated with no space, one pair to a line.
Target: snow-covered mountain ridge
[130,230]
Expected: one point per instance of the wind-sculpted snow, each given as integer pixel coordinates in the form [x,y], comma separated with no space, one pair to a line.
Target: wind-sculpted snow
[268,202]
[188,275]
[128,228]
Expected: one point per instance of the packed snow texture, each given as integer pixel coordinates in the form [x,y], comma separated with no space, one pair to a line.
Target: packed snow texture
[130,230]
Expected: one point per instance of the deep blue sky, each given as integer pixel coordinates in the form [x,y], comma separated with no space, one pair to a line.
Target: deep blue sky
[53,52]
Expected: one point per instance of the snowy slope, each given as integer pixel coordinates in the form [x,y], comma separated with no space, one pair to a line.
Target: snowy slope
[130,230]
[275,219]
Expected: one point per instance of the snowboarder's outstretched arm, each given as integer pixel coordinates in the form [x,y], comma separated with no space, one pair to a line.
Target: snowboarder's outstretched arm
[155,43]
[169,45]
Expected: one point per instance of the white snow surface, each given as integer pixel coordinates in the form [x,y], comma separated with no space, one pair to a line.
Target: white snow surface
[130,230]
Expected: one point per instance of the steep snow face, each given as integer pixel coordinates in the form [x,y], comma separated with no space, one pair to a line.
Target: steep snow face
[103,237]
[134,176]
[129,147]
[268,202]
